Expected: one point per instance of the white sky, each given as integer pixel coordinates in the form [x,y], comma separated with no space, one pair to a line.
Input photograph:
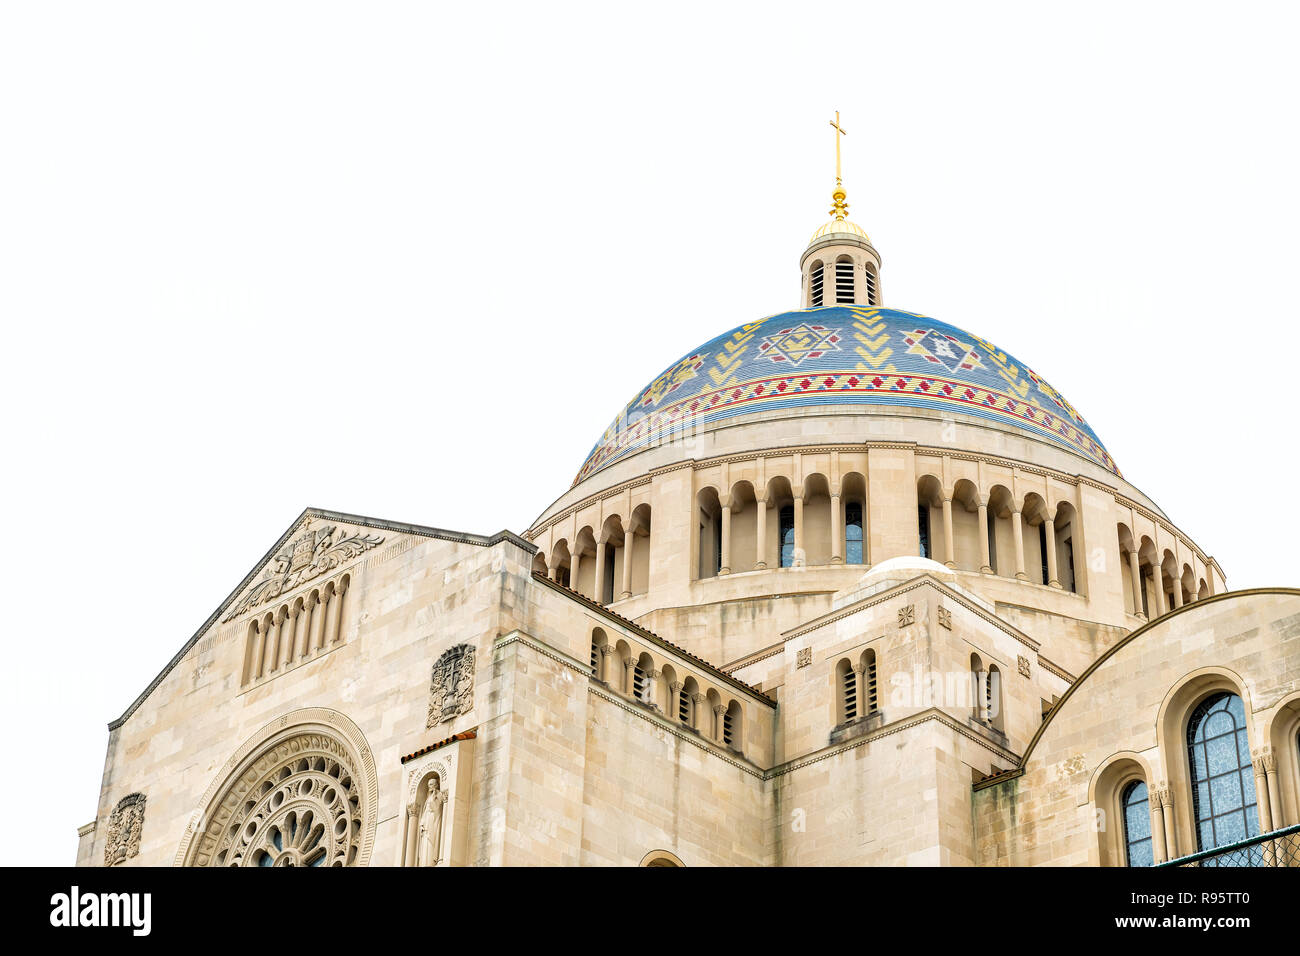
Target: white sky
[408,260]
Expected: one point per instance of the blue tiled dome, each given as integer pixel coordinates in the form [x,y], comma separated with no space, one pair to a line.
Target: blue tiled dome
[845,355]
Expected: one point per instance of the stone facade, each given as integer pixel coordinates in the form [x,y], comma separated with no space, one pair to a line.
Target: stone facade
[816,634]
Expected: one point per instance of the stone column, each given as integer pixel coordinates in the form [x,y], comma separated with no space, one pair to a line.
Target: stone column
[256,653]
[408,837]
[1135,572]
[598,590]
[1171,839]
[674,711]
[799,553]
[606,652]
[651,676]
[1018,536]
[861,673]
[760,533]
[1052,580]
[949,551]
[837,529]
[1159,589]
[575,562]
[345,604]
[629,669]
[1177,585]
[629,545]
[301,644]
[273,642]
[317,625]
[1275,797]
[697,705]
[288,632]
[1158,851]
[331,617]
[982,696]
[986,566]
[1264,804]
[724,561]
[718,711]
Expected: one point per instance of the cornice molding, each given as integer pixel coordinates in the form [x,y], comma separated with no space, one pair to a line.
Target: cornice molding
[907,723]
[663,723]
[1056,669]
[541,647]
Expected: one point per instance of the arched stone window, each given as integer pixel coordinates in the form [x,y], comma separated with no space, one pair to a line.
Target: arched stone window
[873,296]
[299,793]
[847,684]
[1223,781]
[732,725]
[599,640]
[785,528]
[686,706]
[661,858]
[853,553]
[816,279]
[709,537]
[1136,805]
[977,688]
[993,698]
[1128,833]
[844,281]
[869,690]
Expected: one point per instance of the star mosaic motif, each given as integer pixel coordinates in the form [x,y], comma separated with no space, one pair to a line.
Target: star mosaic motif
[800,342]
[942,349]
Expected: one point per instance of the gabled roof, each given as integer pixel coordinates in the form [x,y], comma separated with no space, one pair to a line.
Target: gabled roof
[483,541]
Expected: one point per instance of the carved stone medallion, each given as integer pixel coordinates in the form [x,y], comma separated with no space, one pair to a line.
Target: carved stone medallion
[452,691]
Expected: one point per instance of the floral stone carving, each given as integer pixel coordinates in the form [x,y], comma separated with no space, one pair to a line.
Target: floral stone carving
[311,554]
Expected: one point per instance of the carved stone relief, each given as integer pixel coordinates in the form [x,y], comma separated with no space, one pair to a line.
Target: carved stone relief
[308,556]
[124,827]
[452,691]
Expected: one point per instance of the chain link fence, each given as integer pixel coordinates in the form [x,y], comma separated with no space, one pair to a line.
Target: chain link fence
[1279,848]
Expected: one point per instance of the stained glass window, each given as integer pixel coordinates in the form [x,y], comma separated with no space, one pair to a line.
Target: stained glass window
[1223,781]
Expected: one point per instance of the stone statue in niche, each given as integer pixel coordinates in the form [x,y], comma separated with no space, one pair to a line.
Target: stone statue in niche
[124,826]
[429,842]
[452,691]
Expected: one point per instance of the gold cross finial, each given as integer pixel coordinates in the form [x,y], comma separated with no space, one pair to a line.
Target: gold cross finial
[840,209]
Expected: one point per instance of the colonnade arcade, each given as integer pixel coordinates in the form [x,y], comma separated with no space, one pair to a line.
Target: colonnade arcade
[824,507]
[1156,582]
[609,564]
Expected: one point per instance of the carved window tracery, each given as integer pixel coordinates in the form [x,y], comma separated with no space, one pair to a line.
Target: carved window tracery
[297,795]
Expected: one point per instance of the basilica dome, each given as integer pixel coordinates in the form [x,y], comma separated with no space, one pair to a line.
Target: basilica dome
[845,355]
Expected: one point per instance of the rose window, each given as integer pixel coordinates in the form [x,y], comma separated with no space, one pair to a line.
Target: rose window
[303,811]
